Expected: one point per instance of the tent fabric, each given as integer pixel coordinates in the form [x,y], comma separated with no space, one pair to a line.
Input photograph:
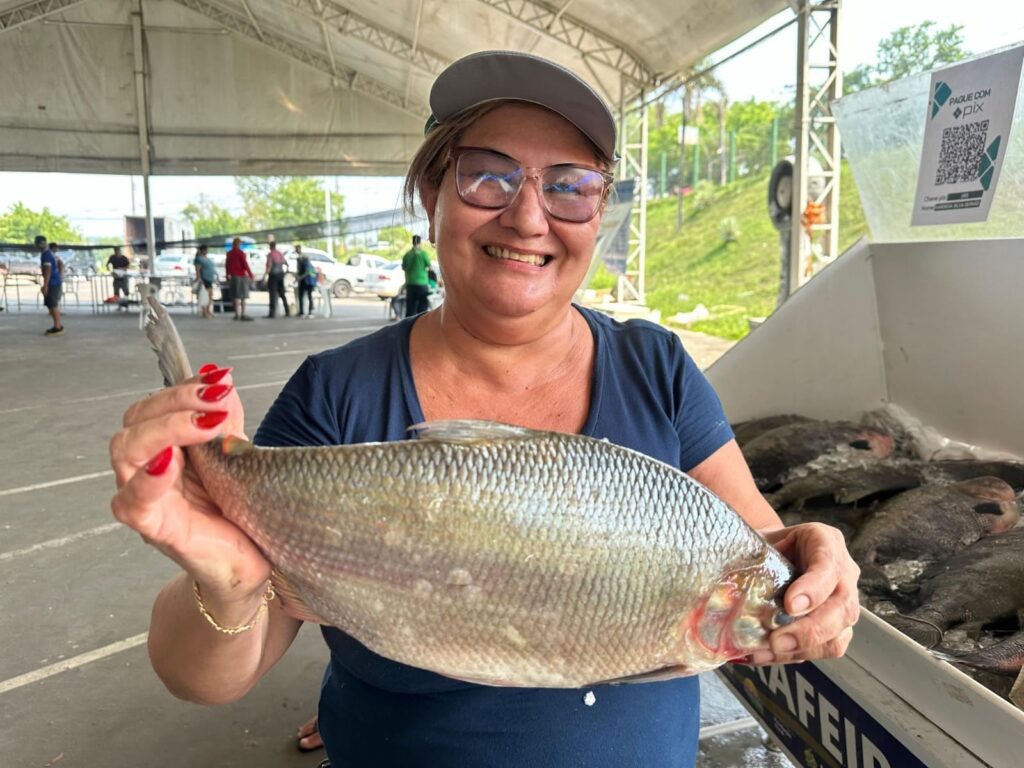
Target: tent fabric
[303,87]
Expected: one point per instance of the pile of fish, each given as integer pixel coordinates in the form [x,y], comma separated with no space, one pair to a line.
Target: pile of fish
[941,556]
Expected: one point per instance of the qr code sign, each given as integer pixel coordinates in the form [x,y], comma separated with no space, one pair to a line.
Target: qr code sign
[962,147]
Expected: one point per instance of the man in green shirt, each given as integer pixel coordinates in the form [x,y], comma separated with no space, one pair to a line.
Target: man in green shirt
[415,264]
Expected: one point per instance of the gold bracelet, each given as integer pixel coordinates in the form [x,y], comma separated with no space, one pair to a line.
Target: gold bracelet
[268,595]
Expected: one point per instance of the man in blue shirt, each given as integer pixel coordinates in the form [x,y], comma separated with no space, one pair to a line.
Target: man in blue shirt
[53,283]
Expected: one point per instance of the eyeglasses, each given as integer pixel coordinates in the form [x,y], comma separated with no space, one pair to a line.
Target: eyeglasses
[488,179]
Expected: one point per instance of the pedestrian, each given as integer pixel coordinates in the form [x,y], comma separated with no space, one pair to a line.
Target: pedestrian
[119,264]
[274,273]
[416,264]
[513,176]
[53,283]
[324,290]
[239,276]
[206,274]
[305,281]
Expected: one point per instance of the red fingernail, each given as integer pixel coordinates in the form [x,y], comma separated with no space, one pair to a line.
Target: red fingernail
[159,463]
[210,419]
[208,367]
[740,660]
[214,392]
[212,377]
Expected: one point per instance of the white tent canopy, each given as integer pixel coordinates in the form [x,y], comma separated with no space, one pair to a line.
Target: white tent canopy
[314,87]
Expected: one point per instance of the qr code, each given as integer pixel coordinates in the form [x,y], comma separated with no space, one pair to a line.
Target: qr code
[960,154]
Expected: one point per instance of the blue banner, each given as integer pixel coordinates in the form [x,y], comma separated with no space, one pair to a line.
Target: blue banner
[815,720]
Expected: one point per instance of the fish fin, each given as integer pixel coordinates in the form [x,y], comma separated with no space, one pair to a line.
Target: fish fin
[653,676]
[291,602]
[921,631]
[170,352]
[469,431]
[233,445]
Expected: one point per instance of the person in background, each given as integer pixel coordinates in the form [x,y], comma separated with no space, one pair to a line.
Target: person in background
[53,283]
[119,264]
[206,274]
[305,279]
[274,273]
[513,175]
[415,264]
[324,289]
[237,267]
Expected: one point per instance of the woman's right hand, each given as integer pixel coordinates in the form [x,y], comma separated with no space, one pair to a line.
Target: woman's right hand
[161,497]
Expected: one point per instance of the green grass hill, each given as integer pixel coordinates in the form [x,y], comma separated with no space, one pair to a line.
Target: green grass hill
[735,280]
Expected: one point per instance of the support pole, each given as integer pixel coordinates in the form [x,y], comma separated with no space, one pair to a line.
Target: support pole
[330,219]
[142,120]
[634,140]
[816,165]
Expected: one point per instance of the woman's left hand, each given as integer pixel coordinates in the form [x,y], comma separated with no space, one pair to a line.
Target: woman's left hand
[823,597]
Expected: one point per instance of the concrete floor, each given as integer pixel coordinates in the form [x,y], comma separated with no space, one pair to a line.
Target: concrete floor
[76,688]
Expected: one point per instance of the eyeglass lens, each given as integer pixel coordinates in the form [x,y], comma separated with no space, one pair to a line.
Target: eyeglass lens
[489,180]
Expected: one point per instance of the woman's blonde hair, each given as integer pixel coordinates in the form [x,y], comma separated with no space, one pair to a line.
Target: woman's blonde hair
[432,158]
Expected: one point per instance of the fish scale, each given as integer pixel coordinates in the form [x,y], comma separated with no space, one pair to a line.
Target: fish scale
[497,554]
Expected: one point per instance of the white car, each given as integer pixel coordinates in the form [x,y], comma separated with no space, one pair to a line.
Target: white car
[174,265]
[386,282]
[344,279]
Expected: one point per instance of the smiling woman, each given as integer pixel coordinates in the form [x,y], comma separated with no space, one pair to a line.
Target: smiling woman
[513,175]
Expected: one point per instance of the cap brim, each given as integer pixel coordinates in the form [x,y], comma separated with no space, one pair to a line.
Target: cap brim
[496,75]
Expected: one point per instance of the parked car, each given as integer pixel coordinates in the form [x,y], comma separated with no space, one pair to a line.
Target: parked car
[78,262]
[387,281]
[174,265]
[21,264]
[344,279]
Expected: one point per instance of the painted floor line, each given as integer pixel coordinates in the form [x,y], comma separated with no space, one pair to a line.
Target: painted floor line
[128,393]
[53,483]
[73,663]
[275,354]
[54,543]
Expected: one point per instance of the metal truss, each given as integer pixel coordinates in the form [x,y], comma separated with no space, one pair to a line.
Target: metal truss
[26,14]
[299,51]
[334,15]
[819,82]
[633,130]
[589,42]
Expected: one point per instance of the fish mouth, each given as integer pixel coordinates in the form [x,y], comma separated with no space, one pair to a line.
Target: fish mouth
[507,254]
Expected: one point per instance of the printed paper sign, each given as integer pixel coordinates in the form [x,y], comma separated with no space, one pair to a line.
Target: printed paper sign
[965,138]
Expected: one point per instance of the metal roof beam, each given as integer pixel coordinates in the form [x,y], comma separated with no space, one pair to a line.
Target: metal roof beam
[591,44]
[296,50]
[26,14]
[348,23]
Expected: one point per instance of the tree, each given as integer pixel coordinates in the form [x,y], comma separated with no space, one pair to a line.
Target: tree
[907,51]
[208,219]
[21,225]
[281,201]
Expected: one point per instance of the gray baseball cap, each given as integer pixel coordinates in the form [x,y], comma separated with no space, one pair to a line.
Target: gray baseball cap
[493,75]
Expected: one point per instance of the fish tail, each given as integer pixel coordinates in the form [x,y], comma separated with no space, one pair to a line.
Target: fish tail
[167,344]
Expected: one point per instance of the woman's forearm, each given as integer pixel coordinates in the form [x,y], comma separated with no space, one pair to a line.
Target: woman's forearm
[200,664]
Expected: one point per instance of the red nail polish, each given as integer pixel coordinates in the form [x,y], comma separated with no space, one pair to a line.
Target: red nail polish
[159,463]
[208,367]
[210,419]
[212,377]
[214,392]
[740,660]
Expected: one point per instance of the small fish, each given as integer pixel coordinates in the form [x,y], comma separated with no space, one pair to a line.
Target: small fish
[500,555]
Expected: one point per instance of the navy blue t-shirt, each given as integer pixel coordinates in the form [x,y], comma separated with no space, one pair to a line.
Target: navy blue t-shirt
[45,258]
[647,394]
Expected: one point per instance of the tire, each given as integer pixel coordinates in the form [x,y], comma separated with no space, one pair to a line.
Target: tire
[341,289]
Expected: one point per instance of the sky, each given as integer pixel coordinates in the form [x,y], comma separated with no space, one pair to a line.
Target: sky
[95,203]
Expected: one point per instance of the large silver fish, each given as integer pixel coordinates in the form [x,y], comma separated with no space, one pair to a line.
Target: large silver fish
[501,555]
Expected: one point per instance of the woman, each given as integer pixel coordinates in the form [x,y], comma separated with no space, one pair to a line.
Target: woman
[206,274]
[513,175]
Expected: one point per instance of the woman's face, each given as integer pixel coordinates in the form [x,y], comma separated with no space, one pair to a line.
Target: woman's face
[518,261]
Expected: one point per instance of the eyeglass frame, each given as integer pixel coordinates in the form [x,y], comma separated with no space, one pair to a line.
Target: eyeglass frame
[529,173]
